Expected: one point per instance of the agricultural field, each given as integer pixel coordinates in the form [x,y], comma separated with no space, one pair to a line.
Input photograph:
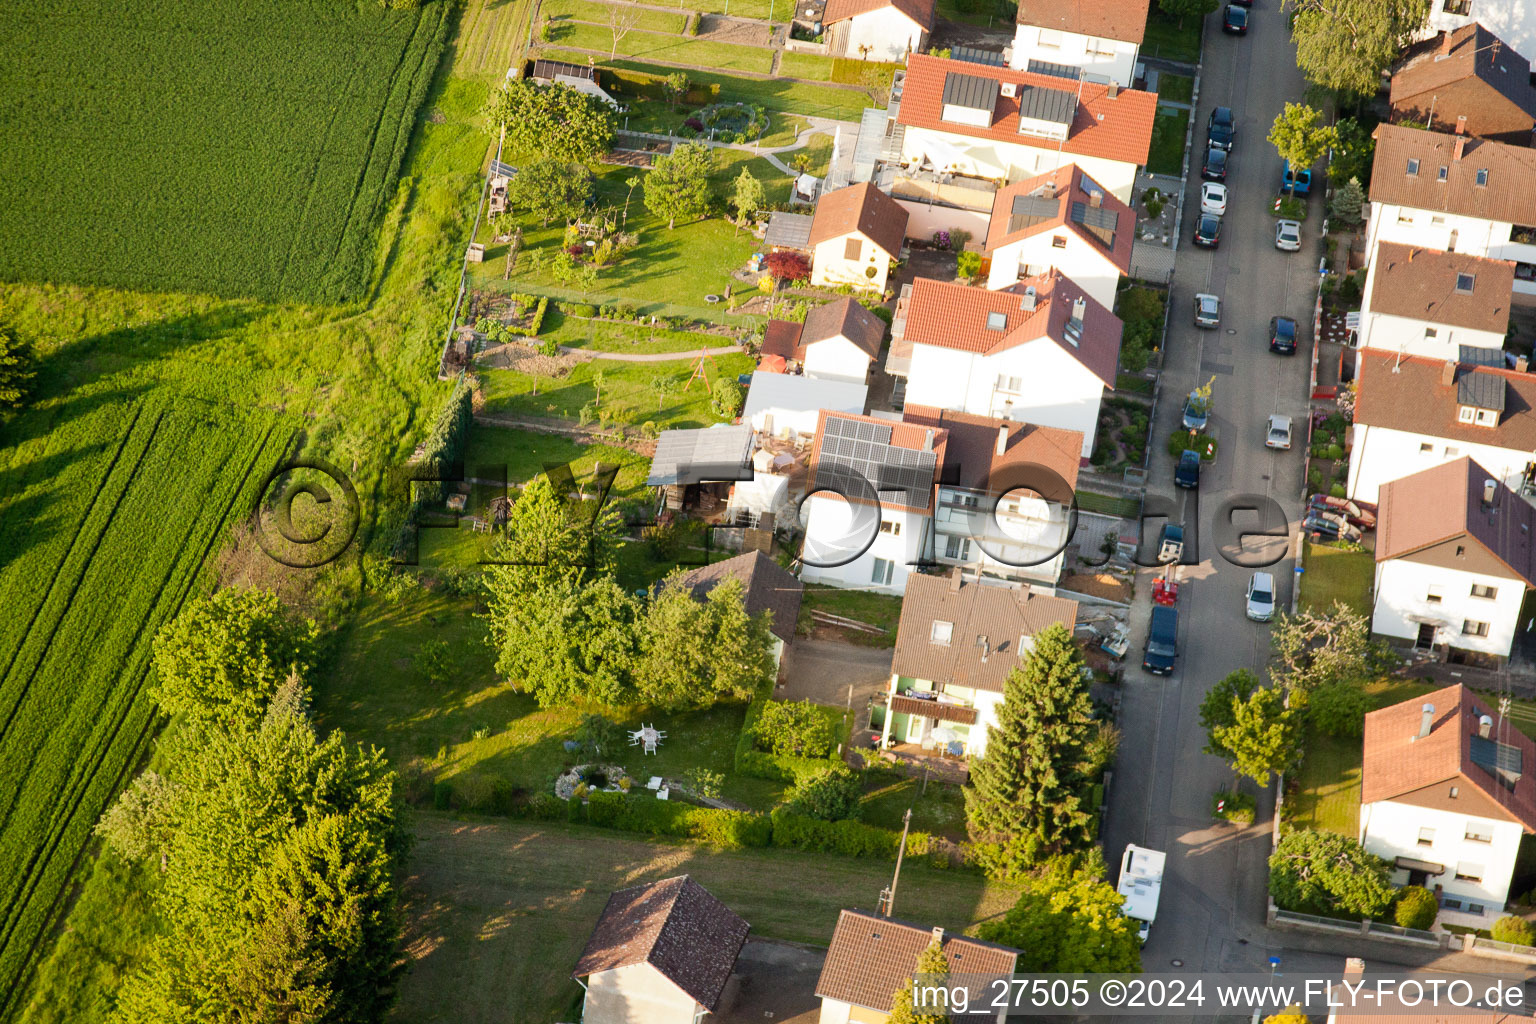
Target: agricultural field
[668,48]
[111,504]
[227,148]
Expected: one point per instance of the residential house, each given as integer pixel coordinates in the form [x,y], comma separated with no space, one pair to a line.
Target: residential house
[1426,302]
[838,341]
[1066,220]
[1042,351]
[855,235]
[885,30]
[960,118]
[767,587]
[1005,495]
[1412,413]
[1454,557]
[956,646]
[1456,193]
[1512,22]
[661,953]
[789,405]
[872,956]
[1446,792]
[1102,37]
[1471,77]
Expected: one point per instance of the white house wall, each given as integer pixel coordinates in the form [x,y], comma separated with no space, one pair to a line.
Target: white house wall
[830,268]
[889,34]
[1400,334]
[1402,602]
[836,359]
[1381,455]
[923,219]
[1055,389]
[1113,58]
[1083,264]
[995,158]
[636,994]
[828,527]
[1450,232]
[1390,829]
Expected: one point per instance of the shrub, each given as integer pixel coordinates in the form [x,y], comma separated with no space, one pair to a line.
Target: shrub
[1338,709]
[831,794]
[726,398]
[798,728]
[1516,930]
[434,660]
[582,309]
[650,430]
[968,264]
[849,838]
[1182,439]
[580,792]
[550,348]
[1416,908]
[704,782]
[726,830]
[941,239]
[537,320]
[958,238]
[442,796]
[785,265]
[1235,807]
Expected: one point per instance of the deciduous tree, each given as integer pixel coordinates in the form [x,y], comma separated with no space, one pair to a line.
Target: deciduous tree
[556,121]
[1069,920]
[16,372]
[620,21]
[1216,709]
[1345,45]
[1324,873]
[1314,649]
[831,793]
[932,968]
[786,265]
[748,196]
[550,189]
[1264,737]
[694,653]
[1300,137]
[678,184]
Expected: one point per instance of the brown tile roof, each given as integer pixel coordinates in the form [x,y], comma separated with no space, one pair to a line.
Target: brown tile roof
[1412,398]
[871,957]
[1472,73]
[782,338]
[970,452]
[1115,128]
[920,11]
[956,316]
[1445,502]
[1510,194]
[1108,19]
[903,435]
[862,208]
[1082,206]
[1397,762]
[1421,284]
[1001,614]
[847,318]
[768,587]
[674,925]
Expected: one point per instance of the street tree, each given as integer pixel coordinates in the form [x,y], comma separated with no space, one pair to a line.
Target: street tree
[549,189]
[1346,45]
[1324,873]
[678,184]
[1264,737]
[1068,919]
[1217,707]
[556,121]
[1300,137]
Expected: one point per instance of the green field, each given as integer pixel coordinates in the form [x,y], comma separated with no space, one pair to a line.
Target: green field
[226,148]
[111,506]
[672,49]
[599,13]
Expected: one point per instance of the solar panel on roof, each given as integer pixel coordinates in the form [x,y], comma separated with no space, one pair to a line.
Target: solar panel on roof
[857,455]
[1027,211]
[1043,103]
[1497,758]
[1045,67]
[978,55]
[1476,355]
[970,91]
[1099,222]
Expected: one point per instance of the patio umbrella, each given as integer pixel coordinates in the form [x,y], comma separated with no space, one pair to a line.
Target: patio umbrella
[945,735]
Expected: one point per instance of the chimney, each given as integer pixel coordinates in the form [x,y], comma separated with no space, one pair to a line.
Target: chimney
[956,578]
[1522,364]
[1461,147]
[1028,301]
[928,439]
[1445,42]
[1114,89]
[1447,374]
[1490,491]
[986,647]
[938,935]
[1484,726]
[1079,307]
[1461,124]
[1096,199]
[1002,439]
[1022,592]
[1427,720]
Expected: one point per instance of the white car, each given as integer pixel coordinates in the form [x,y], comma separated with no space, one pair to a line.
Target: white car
[1213,198]
[1207,310]
[1278,434]
[1288,235]
[1261,597]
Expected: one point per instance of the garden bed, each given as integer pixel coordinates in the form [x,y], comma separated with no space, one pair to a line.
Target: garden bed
[1122,434]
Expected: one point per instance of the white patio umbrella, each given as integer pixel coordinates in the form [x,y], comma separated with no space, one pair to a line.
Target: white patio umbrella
[944,735]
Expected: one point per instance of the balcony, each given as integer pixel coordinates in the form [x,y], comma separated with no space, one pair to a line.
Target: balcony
[945,189]
[937,710]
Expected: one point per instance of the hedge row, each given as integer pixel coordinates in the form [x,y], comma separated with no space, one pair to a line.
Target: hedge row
[777,767]
[538,315]
[643,83]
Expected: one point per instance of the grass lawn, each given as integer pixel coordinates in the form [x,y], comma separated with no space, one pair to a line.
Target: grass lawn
[598,13]
[806,65]
[1335,574]
[1107,504]
[938,808]
[983,13]
[1179,88]
[675,49]
[875,609]
[1167,153]
[635,339]
[494,905]
[1172,38]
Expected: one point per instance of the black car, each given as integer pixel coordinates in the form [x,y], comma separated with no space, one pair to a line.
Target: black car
[1208,230]
[1187,473]
[1282,335]
[1215,166]
[1221,129]
[1235,21]
[1243,3]
[1162,648]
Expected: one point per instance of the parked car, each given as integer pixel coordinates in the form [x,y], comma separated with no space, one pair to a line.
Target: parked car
[1288,235]
[1329,526]
[1282,335]
[1207,310]
[1162,648]
[1235,21]
[1277,434]
[1221,128]
[1213,198]
[1356,513]
[1187,473]
[1215,166]
[1261,597]
[1197,411]
[1208,231]
[1298,184]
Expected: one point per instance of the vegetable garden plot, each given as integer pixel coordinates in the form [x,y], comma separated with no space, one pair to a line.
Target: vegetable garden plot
[229,148]
[108,518]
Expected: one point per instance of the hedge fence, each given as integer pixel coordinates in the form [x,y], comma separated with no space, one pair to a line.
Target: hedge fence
[783,767]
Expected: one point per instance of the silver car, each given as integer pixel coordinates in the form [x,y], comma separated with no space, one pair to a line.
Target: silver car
[1207,310]
[1261,597]
[1278,433]
[1288,235]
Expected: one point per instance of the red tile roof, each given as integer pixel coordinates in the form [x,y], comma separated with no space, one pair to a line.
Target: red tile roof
[674,925]
[1108,19]
[1420,284]
[1074,194]
[862,208]
[1407,394]
[903,435]
[1508,195]
[1445,502]
[970,451]
[1113,128]
[1398,762]
[766,587]
[956,316]
[870,957]
[844,318]
[920,11]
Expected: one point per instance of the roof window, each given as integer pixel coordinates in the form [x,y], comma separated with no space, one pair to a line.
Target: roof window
[1444,173]
[997,321]
[1413,166]
[1482,177]
[1464,283]
[941,633]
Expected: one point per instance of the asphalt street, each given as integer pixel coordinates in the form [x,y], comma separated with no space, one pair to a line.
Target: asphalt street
[1212,910]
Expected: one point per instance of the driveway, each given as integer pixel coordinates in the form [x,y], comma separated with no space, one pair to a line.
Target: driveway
[835,673]
[777,983]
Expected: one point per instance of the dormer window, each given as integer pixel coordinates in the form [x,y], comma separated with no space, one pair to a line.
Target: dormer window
[941,632]
[1480,398]
[1413,167]
[1464,283]
[1482,177]
[1481,417]
[969,99]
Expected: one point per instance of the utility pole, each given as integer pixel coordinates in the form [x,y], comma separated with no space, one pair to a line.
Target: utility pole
[888,897]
